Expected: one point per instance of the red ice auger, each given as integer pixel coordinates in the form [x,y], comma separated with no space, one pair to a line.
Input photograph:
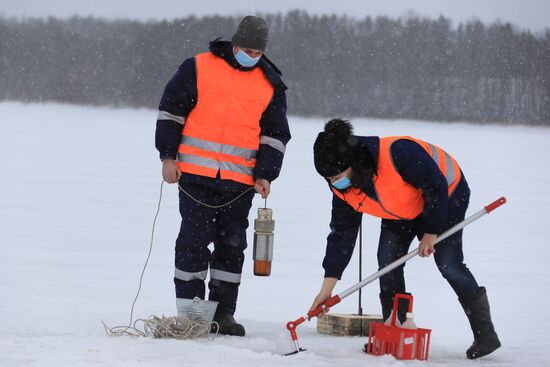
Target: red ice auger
[292,325]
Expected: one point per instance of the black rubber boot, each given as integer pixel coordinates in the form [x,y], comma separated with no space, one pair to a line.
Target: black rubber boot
[479,314]
[227,325]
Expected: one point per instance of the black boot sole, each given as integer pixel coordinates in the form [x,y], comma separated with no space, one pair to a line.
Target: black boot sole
[227,331]
[485,351]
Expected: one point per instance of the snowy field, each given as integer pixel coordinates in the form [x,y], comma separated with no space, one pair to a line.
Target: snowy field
[78,191]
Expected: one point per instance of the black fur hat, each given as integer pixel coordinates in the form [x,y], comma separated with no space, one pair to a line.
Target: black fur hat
[333,151]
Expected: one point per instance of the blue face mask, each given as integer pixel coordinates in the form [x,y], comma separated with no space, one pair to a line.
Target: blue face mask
[342,183]
[245,60]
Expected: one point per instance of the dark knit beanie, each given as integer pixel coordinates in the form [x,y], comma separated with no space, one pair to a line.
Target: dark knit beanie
[333,151]
[251,33]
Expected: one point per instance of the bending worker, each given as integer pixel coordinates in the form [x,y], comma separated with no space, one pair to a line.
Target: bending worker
[418,190]
[221,133]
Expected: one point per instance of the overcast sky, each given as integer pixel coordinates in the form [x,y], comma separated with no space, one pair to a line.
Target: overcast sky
[531,14]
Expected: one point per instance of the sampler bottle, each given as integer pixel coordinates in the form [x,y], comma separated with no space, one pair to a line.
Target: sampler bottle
[264,226]
[409,323]
[388,321]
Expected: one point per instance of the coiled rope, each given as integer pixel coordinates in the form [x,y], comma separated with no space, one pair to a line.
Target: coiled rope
[176,327]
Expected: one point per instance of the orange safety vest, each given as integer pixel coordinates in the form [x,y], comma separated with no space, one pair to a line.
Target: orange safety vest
[222,132]
[398,199]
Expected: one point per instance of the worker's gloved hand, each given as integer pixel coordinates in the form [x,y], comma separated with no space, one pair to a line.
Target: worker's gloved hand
[170,172]
[263,187]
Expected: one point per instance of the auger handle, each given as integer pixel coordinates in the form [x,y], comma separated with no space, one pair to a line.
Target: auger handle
[324,306]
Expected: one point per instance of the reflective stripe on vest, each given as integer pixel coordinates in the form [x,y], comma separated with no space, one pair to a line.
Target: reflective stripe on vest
[222,132]
[398,199]
[449,173]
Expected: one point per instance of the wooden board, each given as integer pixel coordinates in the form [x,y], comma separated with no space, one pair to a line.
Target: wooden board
[346,325]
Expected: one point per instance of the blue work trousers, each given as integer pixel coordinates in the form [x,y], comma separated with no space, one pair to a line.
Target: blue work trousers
[201,226]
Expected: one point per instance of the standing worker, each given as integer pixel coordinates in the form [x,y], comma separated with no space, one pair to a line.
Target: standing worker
[418,190]
[221,132]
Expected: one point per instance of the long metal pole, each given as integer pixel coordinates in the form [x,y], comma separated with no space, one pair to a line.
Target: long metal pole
[413,253]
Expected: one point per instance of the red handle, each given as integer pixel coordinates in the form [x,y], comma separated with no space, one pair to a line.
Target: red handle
[395,303]
[321,308]
[495,204]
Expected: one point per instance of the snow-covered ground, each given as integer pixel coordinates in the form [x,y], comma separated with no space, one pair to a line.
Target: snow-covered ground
[78,190]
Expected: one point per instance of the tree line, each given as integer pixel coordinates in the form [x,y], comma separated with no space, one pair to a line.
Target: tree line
[333,65]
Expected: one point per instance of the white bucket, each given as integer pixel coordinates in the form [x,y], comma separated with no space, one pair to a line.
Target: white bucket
[196,309]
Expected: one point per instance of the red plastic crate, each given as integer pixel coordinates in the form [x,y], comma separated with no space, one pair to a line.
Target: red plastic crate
[400,342]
